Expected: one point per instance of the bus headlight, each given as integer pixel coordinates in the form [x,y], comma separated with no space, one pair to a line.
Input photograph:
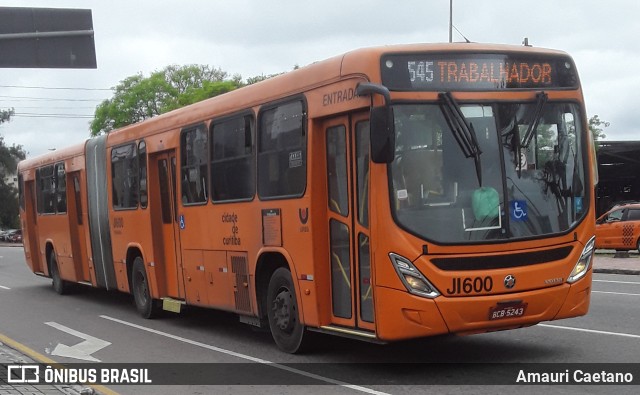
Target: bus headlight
[415,282]
[581,268]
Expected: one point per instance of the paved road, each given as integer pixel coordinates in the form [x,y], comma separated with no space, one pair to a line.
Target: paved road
[33,315]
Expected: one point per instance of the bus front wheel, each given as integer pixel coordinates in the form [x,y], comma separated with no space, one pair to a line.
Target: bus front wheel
[283,313]
[59,285]
[147,307]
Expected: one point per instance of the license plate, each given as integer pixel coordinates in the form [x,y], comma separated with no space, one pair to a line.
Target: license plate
[512,310]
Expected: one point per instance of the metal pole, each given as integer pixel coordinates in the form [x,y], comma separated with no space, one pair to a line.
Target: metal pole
[37,35]
[450,21]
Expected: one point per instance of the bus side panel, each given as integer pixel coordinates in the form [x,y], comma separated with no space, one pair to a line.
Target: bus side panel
[30,224]
[99,213]
[128,226]
[213,239]
[216,278]
[54,231]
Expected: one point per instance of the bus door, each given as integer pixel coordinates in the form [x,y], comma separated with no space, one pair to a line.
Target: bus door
[76,225]
[347,150]
[165,226]
[30,239]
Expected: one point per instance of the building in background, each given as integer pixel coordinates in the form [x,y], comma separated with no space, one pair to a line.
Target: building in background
[619,171]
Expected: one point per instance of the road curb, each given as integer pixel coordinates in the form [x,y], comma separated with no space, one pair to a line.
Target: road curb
[617,271]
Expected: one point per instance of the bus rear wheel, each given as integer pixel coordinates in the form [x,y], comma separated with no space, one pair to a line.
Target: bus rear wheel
[283,313]
[147,307]
[59,285]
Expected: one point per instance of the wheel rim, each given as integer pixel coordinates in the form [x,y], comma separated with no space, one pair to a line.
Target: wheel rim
[284,310]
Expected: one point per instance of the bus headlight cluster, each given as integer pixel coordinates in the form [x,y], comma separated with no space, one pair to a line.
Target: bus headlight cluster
[415,282]
[581,268]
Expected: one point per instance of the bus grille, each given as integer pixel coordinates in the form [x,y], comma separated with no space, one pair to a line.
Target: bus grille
[502,261]
[241,292]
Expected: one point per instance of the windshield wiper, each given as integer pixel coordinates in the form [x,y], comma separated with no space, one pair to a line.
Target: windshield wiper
[541,100]
[464,133]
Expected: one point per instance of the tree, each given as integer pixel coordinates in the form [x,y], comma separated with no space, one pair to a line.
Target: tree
[5,115]
[9,157]
[262,77]
[137,98]
[596,126]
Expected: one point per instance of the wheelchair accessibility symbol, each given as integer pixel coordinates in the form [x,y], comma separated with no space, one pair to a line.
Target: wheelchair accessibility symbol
[518,210]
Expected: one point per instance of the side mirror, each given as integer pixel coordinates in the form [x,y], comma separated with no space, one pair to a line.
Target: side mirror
[383,135]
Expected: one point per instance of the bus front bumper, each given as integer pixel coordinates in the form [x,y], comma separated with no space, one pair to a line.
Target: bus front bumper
[420,317]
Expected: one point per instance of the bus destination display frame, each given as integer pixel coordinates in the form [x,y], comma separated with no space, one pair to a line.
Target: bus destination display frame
[477,72]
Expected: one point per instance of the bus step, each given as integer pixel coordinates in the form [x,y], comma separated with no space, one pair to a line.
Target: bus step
[253,321]
[351,333]
[85,283]
[173,305]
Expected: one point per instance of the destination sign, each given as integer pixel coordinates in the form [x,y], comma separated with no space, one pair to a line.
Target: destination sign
[473,72]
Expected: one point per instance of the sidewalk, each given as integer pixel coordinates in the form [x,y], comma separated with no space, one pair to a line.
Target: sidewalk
[9,356]
[604,262]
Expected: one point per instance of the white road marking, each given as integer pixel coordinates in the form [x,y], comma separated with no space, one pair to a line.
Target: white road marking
[617,282]
[3,287]
[247,357]
[615,293]
[82,350]
[590,331]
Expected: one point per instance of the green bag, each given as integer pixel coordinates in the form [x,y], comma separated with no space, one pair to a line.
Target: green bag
[485,202]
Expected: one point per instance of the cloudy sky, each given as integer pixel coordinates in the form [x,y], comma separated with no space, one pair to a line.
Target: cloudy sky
[254,37]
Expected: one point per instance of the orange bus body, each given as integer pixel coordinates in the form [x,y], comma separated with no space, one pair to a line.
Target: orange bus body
[289,223]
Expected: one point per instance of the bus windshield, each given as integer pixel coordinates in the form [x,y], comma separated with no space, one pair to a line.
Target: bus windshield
[524,177]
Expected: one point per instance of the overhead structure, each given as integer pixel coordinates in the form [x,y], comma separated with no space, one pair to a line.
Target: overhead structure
[46,38]
[619,173]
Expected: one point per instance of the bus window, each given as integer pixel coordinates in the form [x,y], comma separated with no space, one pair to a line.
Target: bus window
[61,189]
[39,196]
[529,179]
[45,190]
[337,170]
[165,195]
[78,197]
[340,269]
[282,164]
[142,166]
[362,168]
[232,159]
[193,152]
[124,175]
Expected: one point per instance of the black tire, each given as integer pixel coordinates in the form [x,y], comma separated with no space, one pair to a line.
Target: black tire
[147,307]
[283,314]
[59,285]
[638,245]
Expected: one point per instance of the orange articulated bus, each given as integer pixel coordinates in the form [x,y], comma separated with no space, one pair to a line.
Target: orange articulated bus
[385,194]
